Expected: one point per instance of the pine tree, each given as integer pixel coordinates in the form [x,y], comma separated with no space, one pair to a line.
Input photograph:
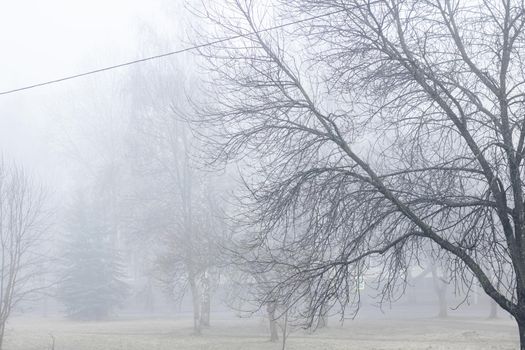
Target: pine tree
[93,274]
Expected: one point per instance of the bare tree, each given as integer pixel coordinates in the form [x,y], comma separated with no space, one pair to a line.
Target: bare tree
[254,277]
[180,201]
[384,126]
[22,246]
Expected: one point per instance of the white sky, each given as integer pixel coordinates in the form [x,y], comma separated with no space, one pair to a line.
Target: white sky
[46,39]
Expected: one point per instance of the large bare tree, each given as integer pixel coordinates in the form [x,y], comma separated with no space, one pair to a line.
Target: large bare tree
[380,127]
[23,258]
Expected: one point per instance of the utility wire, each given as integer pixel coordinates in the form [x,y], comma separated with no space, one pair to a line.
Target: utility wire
[191,48]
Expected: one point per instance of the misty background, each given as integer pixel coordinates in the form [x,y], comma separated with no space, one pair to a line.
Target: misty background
[124,165]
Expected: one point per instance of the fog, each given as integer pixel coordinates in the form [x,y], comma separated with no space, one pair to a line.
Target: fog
[237,174]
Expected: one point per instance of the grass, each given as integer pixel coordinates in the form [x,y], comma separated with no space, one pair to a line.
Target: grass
[24,333]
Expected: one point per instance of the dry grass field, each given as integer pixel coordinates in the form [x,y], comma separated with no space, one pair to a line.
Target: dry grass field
[157,334]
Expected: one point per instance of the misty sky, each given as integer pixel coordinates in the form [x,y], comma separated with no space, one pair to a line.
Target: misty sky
[45,40]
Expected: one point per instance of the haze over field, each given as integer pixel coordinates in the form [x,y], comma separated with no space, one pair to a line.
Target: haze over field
[271,174]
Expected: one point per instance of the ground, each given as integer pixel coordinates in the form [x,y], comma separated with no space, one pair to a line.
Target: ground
[25,333]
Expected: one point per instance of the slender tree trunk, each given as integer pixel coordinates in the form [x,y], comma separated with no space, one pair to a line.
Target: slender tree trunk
[441,290]
[285,330]
[149,304]
[323,319]
[493,309]
[274,334]
[443,306]
[205,313]
[493,304]
[205,304]
[411,295]
[2,330]
[197,327]
[53,341]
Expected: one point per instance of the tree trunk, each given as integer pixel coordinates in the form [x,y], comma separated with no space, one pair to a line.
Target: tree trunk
[521,329]
[443,307]
[2,330]
[493,309]
[149,303]
[441,290]
[205,300]
[205,308]
[323,321]
[411,295]
[270,308]
[493,304]
[323,317]
[197,329]
[285,330]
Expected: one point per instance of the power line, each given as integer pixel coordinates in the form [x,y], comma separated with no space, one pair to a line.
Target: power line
[191,48]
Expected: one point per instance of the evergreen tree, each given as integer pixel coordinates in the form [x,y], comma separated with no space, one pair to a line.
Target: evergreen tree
[93,283]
